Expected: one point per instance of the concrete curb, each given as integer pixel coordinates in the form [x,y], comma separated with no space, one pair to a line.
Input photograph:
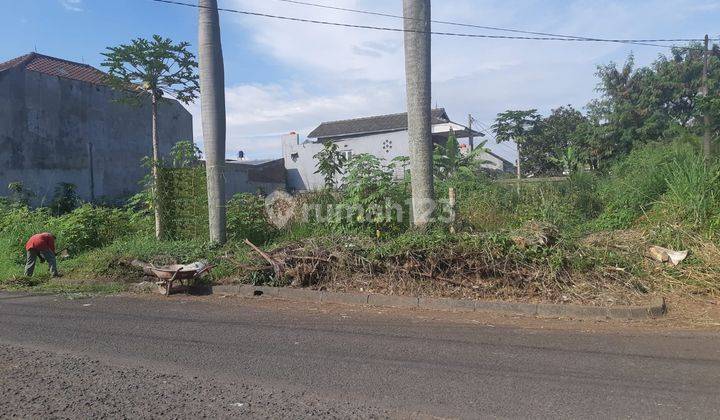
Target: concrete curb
[655,310]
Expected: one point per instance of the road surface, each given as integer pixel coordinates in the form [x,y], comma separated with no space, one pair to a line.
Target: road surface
[187,357]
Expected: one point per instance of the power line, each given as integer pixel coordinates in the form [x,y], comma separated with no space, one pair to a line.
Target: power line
[455,34]
[492,28]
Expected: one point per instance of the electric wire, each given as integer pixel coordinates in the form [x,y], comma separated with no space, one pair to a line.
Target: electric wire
[471,25]
[647,42]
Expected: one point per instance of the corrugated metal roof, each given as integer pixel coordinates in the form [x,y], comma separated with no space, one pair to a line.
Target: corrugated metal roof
[369,125]
[56,67]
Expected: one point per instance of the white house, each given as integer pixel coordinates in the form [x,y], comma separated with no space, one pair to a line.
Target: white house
[384,136]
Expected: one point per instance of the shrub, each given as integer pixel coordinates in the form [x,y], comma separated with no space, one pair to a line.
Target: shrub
[370,198]
[693,193]
[66,198]
[635,184]
[90,227]
[246,219]
[666,182]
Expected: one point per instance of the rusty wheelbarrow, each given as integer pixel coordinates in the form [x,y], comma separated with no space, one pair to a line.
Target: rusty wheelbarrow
[167,275]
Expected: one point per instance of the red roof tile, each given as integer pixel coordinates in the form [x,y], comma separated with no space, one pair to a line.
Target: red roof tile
[56,67]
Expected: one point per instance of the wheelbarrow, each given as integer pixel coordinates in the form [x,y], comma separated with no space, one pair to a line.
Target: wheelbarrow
[167,275]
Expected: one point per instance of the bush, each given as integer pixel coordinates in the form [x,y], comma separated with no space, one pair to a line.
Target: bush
[484,205]
[66,198]
[670,182]
[85,228]
[636,183]
[246,219]
[370,199]
[693,193]
[90,227]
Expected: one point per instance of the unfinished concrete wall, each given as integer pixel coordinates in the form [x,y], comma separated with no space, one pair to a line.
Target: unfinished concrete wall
[54,129]
[249,177]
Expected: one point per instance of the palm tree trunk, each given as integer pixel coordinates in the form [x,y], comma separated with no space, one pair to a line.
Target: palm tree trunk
[212,96]
[159,231]
[417,74]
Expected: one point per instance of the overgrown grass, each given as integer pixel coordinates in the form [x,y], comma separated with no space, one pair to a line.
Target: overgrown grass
[665,195]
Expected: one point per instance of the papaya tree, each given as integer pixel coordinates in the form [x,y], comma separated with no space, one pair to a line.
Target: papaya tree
[151,70]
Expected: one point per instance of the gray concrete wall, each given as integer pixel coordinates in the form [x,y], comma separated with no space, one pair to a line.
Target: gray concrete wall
[265,178]
[48,126]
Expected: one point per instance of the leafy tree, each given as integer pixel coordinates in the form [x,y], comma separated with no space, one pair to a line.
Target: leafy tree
[656,102]
[330,163]
[543,152]
[518,126]
[153,68]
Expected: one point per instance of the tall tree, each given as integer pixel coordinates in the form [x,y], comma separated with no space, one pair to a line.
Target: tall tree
[546,152]
[595,139]
[656,102]
[212,92]
[417,75]
[153,68]
[517,126]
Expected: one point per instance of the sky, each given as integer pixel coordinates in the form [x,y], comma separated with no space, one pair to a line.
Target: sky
[288,76]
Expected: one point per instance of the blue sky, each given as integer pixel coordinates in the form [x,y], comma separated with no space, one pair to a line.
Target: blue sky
[284,76]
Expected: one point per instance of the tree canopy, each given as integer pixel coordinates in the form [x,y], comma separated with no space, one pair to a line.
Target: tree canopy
[637,105]
[158,66]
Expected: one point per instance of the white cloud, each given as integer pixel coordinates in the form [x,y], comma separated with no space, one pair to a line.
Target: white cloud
[346,73]
[257,115]
[72,5]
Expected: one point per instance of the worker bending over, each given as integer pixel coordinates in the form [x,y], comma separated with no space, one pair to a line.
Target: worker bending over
[41,245]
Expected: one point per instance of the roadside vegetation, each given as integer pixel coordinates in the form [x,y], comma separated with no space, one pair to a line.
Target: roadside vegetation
[633,176]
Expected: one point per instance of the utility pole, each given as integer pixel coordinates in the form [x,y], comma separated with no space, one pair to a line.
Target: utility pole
[212,105]
[417,75]
[471,140]
[519,173]
[707,145]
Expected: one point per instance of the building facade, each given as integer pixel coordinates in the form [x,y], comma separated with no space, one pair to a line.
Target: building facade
[384,136]
[59,122]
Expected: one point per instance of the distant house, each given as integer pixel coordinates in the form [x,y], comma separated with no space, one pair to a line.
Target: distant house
[60,122]
[384,136]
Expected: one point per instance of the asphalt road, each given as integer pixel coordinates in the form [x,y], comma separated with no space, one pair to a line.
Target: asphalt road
[192,357]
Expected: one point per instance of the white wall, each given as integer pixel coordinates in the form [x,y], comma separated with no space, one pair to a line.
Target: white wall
[301,165]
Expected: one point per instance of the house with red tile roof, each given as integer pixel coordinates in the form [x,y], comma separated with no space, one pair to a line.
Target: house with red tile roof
[60,122]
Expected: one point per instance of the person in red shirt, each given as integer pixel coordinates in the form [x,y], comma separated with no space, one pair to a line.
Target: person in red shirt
[41,245]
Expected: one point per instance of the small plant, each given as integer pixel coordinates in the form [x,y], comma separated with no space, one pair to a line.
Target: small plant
[448,161]
[570,160]
[246,219]
[19,195]
[369,195]
[66,198]
[185,154]
[330,162]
